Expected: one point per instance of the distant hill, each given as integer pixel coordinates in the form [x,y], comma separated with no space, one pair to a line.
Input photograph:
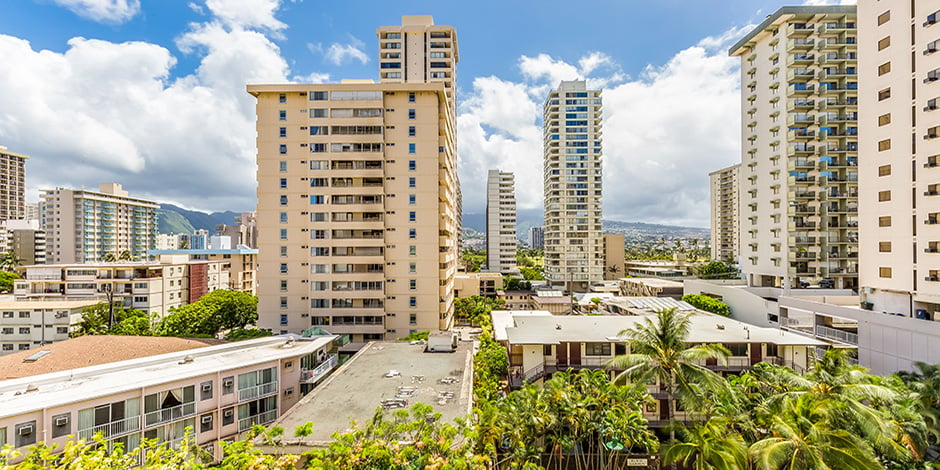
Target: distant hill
[173,219]
[526,218]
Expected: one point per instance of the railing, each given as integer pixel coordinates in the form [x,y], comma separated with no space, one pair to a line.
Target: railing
[837,335]
[170,414]
[311,376]
[262,419]
[257,391]
[111,429]
[519,377]
[795,324]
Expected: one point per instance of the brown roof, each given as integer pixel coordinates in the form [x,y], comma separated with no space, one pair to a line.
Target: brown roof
[87,351]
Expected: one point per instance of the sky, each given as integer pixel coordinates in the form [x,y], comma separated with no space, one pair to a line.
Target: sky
[151,93]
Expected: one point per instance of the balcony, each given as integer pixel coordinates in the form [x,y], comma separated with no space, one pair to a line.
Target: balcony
[112,429]
[256,391]
[311,376]
[166,415]
[800,45]
[264,418]
[800,89]
[833,334]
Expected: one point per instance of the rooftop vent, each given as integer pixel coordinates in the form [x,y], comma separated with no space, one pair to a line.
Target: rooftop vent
[37,356]
[188,359]
[32,388]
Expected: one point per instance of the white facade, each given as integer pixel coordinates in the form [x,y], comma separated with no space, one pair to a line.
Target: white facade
[798,177]
[30,324]
[500,222]
[574,256]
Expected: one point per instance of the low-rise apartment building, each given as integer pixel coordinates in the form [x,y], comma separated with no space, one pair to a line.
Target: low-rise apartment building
[471,284]
[650,287]
[27,325]
[239,262]
[215,392]
[153,288]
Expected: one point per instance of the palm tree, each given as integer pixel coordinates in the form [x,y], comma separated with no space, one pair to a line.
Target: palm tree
[109,258]
[803,438]
[712,445]
[125,255]
[659,353]
[9,261]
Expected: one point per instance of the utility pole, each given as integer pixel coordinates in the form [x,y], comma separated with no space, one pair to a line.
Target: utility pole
[110,294]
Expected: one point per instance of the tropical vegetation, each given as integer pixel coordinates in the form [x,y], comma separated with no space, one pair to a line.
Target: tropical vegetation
[708,304]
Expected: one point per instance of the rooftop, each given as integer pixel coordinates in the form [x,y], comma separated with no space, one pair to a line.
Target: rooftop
[44,304]
[652,282]
[240,250]
[134,365]
[503,319]
[774,18]
[357,388]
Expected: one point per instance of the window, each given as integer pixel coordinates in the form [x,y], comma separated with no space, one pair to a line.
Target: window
[884,196]
[597,349]
[283,183]
[283,234]
[412,182]
[25,433]
[228,415]
[884,119]
[205,390]
[884,272]
[205,423]
[282,98]
[412,284]
[884,170]
[412,131]
[283,132]
[884,247]
[282,166]
[884,68]
[283,252]
[412,216]
[412,148]
[318,112]
[884,17]
[319,130]
[411,114]
[318,96]
[412,199]
[283,200]
[317,148]
[884,221]
[283,268]
[24,330]
[884,43]
[61,425]
[412,268]
[412,233]
[884,145]
[228,385]
[411,97]
[412,318]
[412,165]
[283,285]
[412,250]
[884,94]
[282,115]
[412,301]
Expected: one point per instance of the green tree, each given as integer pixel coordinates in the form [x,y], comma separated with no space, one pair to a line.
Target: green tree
[531,274]
[659,353]
[125,255]
[109,258]
[708,304]
[713,445]
[6,281]
[716,270]
[9,261]
[97,318]
[216,311]
[925,383]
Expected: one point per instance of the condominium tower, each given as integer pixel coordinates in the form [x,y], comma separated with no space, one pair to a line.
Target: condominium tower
[799,170]
[724,213]
[419,51]
[357,205]
[12,185]
[537,237]
[899,68]
[574,252]
[85,226]
[500,222]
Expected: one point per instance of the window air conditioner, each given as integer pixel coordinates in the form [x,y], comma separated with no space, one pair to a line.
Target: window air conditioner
[228,413]
[206,387]
[61,421]
[228,382]
[206,419]
[26,430]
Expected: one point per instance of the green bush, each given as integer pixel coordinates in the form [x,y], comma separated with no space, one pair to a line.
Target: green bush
[708,304]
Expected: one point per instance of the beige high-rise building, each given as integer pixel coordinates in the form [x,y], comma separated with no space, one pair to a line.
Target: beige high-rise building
[85,226]
[724,213]
[419,51]
[614,256]
[574,252]
[12,185]
[799,171]
[899,176]
[357,206]
[501,222]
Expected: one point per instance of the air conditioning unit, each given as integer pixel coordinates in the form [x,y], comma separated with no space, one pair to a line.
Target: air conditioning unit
[228,413]
[206,419]
[26,430]
[228,383]
[62,421]
[207,387]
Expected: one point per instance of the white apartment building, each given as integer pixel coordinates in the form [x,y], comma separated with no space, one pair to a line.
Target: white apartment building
[25,239]
[574,256]
[501,222]
[218,391]
[84,226]
[28,325]
[152,287]
[798,178]
[358,197]
[899,177]
[725,200]
[537,238]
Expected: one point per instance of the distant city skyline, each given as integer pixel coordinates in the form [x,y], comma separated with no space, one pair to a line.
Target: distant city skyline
[152,95]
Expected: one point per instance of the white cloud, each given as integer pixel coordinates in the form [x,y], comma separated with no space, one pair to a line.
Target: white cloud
[104,11]
[338,53]
[103,111]
[247,13]
[829,2]
[663,132]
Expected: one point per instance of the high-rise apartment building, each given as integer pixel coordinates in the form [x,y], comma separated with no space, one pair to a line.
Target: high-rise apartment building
[85,226]
[799,170]
[724,213]
[419,51]
[537,237]
[614,256]
[574,256]
[500,222]
[25,239]
[358,203]
[899,177]
[12,185]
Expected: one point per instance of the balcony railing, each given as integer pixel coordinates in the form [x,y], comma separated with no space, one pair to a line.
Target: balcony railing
[311,376]
[114,428]
[262,419]
[170,414]
[837,335]
[257,391]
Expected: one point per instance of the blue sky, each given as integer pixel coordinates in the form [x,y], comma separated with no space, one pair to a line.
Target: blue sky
[150,93]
